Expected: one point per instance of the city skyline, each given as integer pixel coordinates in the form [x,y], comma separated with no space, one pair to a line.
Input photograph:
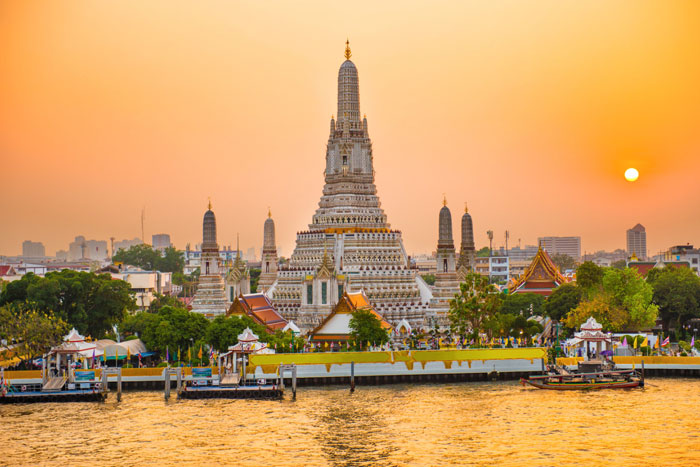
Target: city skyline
[102,131]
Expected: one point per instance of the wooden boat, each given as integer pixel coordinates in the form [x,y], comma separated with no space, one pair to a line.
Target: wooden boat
[616,379]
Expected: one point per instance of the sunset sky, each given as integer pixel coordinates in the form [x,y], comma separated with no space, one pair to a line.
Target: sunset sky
[528,111]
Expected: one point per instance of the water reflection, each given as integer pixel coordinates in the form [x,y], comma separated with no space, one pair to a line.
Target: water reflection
[458,424]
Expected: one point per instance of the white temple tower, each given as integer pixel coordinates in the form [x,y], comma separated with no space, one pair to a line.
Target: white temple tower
[349,243]
[209,298]
[268,274]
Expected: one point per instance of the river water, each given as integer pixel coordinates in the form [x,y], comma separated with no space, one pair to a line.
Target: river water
[498,423]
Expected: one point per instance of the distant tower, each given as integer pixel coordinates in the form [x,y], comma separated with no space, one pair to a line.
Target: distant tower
[269,255]
[467,251]
[238,277]
[446,284]
[209,298]
[445,249]
[637,242]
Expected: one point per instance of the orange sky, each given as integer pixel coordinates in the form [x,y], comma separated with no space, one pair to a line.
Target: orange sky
[530,111]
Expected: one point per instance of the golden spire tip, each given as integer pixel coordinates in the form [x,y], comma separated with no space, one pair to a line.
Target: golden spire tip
[466,208]
[210,203]
[269,212]
[348,53]
[444,200]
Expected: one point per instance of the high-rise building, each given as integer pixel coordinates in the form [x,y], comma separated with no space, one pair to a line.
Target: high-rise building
[160,241]
[126,244]
[349,244]
[570,246]
[637,242]
[82,249]
[33,249]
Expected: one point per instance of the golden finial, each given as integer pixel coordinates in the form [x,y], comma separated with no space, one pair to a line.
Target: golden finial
[348,54]
[332,116]
[466,209]
[444,200]
[210,203]
[269,212]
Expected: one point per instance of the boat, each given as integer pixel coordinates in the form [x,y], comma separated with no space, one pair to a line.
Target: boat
[590,375]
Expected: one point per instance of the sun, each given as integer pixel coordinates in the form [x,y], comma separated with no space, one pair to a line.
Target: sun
[631,174]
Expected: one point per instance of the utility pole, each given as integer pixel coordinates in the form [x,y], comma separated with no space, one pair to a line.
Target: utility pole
[507,235]
[111,242]
[490,235]
[143,220]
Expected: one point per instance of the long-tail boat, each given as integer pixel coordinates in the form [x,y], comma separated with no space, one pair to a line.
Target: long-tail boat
[561,380]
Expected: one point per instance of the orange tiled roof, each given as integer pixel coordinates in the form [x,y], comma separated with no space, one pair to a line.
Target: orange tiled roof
[542,274]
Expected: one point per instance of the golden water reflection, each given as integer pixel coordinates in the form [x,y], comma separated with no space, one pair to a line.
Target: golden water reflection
[456,424]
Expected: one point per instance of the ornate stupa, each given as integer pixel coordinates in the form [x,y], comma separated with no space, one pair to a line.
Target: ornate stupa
[237,277]
[446,284]
[467,252]
[210,299]
[269,262]
[349,245]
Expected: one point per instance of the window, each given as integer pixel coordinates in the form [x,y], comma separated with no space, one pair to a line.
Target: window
[324,292]
[444,265]
[230,294]
[309,294]
[340,291]
[267,266]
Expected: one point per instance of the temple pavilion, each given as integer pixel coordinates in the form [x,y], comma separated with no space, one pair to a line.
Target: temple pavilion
[336,326]
[260,309]
[542,276]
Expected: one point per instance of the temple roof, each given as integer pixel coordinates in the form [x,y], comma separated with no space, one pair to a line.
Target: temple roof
[260,309]
[542,275]
[337,323]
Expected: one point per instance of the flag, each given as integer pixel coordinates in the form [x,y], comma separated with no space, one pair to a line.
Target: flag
[635,342]
[128,354]
[139,359]
[656,344]
[93,357]
[645,342]
[199,354]
[167,354]
[189,354]
[624,342]
[692,342]
[666,342]
[211,352]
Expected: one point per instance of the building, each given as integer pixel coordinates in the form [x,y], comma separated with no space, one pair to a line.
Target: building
[146,285]
[81,249]
[496,267]
[349,245]
[684,253]
[237,278]
[523,254]
[209,299]
[637,242]
[541,277]
[467,251]
[336,326]
[269,263]
[643,267]
[126,244]
[33,249]
[260,309]
[160,242]
[570,246]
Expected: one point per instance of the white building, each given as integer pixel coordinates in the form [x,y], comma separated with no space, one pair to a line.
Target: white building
[82,249]
[146,284]
[33,249]
[570,246]
[637,242]
[160,242]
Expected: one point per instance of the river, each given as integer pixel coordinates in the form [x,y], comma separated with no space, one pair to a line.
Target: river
[498,423]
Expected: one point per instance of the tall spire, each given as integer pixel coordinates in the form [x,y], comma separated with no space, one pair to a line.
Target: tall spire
[269,212]
[348,53]
[210,203]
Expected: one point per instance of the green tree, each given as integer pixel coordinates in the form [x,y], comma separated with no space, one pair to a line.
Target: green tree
[619,264]
[254,278]
[563,262]
[476,302]
[170,328]
[483,252]
[565,298]
[223,331]
[589,275]
[31,332]
[528,304]
[171,261]
[164,300]
[89,302]
[677,294]
[141,256]
[429,278]
[366,327]
[623,303]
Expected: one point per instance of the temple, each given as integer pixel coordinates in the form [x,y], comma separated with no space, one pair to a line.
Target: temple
[336,326]
[541,277]
[446,283]
[467,251]
[268,274]
[210,299]
[349,245]
[259,308]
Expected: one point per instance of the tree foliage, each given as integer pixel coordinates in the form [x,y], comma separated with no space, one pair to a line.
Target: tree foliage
[589,275]
[483,252]
[366,327]
[677,294]
[31,332]
[623,302]
[563,262]
[527,304]
[223,331]
[429,278]
[145,257]
[512,325]
[476,302]
[254,278]
[89,302]
[565,298]
[170,328]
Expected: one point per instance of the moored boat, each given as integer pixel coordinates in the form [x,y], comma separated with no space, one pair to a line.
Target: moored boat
[616,379]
